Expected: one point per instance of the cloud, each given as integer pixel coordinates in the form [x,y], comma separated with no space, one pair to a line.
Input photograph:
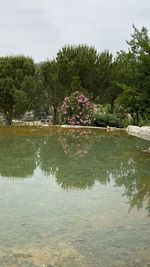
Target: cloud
[40,27]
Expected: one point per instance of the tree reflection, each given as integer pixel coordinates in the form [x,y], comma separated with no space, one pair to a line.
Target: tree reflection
[140,194]
[17,157]
[80,158]
[137,182]
[67,155]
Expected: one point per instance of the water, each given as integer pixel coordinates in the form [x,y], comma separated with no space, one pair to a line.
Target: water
[73,198]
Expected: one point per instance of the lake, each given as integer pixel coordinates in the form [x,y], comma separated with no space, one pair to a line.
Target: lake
[73,198]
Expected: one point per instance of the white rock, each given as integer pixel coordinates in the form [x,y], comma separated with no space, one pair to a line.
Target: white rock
[142,132]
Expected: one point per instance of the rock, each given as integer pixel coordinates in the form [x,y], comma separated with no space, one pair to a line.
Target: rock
[142,132]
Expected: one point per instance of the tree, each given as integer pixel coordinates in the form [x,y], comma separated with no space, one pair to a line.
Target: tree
[135,74]
[16,84]
[51,87]
[113,89]
[81,68]
[103,77]
[75,65]
[39,101]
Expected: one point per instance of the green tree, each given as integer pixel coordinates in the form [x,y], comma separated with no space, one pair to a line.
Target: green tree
[134,74]
[39,99]
[81,68]
[113,89]
[51,87]
[103,77]
[16,85]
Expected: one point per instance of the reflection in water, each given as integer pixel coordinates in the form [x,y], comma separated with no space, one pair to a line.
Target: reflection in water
[17,157]
[78,158]
[76,144]
[68,210]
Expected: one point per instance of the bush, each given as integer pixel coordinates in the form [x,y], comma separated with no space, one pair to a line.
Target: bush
[76,110]
[104,120]
[1,120]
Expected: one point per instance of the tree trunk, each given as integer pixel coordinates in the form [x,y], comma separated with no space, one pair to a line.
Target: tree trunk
[55,115]
[137,117]
[8,115]
[112,104]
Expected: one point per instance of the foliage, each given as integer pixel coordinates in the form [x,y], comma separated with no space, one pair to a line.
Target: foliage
[145,120]
[81,67]
[122,81]
[107,119]
[123,115]
[1,120]
[134,74]
[102,77]
[114,89]
[16,84]
[40,104]
[52,89]
[76,110]
[20,103]
[75,67]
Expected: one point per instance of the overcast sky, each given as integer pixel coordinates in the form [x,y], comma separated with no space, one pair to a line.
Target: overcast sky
[39,28]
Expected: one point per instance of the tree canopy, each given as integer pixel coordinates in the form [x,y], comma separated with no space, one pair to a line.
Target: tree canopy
[81,68]
[16,84]
[103,78]
[134,74]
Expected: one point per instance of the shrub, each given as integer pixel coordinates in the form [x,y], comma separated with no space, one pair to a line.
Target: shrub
[76,110]
[104,120]
[1,120]
[145,121]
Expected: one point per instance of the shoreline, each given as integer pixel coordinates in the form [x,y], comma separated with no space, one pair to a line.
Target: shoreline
[65,126]
[140,132]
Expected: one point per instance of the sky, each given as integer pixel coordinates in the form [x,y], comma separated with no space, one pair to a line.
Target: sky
[39,28]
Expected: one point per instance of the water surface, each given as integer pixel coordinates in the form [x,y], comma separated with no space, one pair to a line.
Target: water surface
[73,198]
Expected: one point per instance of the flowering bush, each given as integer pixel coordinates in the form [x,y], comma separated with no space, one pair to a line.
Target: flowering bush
[76,110]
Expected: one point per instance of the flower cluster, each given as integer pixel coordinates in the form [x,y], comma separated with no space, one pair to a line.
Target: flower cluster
[76,110]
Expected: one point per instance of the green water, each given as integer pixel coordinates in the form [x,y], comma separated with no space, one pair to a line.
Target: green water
[73,198]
